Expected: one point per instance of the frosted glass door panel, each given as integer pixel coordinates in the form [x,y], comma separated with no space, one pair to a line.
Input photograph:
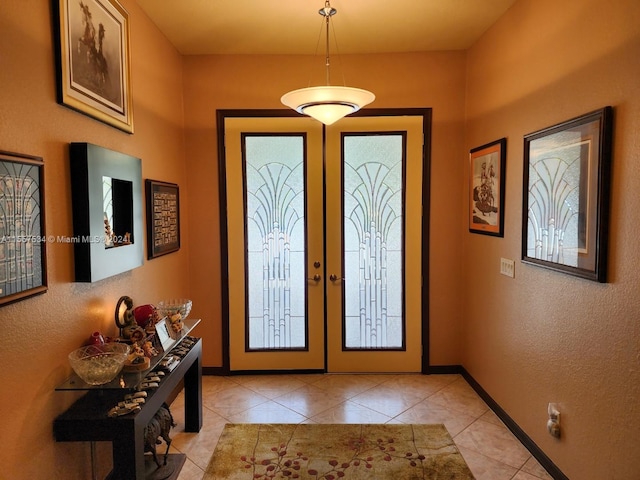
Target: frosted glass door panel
[275,226]
[373,243]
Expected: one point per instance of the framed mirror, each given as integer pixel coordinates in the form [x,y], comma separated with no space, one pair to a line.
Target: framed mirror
[106,189]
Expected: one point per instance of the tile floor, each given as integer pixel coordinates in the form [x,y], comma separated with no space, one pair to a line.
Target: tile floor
[489,448]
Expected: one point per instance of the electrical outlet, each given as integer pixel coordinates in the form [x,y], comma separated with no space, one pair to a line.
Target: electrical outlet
[508,267]
[553,423]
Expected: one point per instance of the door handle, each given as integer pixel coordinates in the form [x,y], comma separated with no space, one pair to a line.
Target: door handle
[334,278]
[315,278]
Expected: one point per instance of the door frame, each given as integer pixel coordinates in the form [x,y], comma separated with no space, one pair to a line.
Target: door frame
[221,116]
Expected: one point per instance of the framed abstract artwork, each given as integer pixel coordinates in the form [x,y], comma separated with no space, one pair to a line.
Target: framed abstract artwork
[93,60]
[163,218]
[23,266]
[487,166]
[566,195]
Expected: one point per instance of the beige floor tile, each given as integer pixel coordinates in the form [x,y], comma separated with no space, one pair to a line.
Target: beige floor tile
[268,412]
[420,385]
[386,400]
[524,476]
[310,400]
[459,396]
[346,386]
[212,384]
[491,417]
[350,412]
[270,386]
[430,412]
[307,378]
[485,468]
[494,442]
[534,468]
[199,446]
[233,399]
[190,471]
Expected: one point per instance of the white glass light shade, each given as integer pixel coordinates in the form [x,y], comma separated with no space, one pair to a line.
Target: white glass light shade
[327,104]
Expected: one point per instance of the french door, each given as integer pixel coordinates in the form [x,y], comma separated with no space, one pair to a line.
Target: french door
[324,243]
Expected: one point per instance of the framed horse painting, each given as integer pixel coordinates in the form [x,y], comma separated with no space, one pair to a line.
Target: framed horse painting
[93,61]
[486,188]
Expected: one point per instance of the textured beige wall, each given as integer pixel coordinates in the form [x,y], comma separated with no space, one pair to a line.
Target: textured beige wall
[38,333]
[410,80]
[545,336]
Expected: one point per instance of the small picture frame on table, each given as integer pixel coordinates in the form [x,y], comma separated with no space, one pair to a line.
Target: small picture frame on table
[164,335]
[487,166]
[163,218]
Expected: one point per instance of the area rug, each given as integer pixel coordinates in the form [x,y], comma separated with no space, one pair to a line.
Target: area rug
[332,452]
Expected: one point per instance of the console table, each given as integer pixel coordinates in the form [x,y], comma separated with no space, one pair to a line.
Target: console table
[87,420]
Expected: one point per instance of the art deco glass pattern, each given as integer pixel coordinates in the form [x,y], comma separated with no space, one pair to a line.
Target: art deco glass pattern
[373,241]
[557,203]
[276,283]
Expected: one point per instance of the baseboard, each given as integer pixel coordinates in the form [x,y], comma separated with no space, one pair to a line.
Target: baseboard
[217,371]
[528,443]
[221,371]
[444,369]
[277,372]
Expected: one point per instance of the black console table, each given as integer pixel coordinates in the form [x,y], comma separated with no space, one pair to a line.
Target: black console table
[87,420]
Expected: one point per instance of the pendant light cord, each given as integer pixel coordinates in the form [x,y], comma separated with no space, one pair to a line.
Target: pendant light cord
[326,58]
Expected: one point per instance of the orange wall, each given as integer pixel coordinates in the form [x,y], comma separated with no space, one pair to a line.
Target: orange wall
[544,336]
[409,80]
[38,333]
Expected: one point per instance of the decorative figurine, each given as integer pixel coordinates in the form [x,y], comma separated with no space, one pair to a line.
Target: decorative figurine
[176,322]
[137,360]
[108,233]
[159,426]
[125,319]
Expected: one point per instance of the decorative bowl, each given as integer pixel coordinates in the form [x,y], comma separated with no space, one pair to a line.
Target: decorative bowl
[168,308]
[99,364]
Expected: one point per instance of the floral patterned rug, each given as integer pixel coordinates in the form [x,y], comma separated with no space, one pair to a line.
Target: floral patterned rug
[332,452]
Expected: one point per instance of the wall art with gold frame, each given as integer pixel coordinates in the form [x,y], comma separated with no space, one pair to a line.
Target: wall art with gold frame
[93,60]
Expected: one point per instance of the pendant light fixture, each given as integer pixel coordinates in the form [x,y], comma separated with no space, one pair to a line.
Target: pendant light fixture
[327,104]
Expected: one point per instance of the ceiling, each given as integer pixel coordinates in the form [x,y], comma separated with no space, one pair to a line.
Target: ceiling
[204,27]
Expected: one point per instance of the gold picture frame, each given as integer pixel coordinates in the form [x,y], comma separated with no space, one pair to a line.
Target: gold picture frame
[93,60]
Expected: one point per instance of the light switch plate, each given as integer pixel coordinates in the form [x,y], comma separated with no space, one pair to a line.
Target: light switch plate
[508,267]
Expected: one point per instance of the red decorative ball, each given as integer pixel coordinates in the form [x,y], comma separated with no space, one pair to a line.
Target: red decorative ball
[143,314]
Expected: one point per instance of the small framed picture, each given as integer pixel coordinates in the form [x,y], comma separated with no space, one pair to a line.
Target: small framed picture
[93,60]
[487,165]
[164,334]
[163,218]
[565,221]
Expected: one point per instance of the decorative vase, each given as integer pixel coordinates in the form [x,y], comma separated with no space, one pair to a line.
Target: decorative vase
[96,339]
